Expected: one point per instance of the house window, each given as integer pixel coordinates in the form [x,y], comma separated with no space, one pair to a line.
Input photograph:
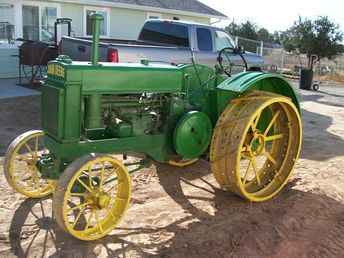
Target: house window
[30,22]
[6,23]
[38,21]
[49,16]
[104,25]
[152,16]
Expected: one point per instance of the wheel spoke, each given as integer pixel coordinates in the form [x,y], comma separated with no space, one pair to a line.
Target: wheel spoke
[22,158]
[273,120]
[88,222]
[36,145]
[102,177]
[78,206]
[30,150]
[255,169]
[84,185]
[273,137]
[246,173]
[79,216]
[256,121]
[77,194]
[268,155]
[36,181]
[90,177]
[98,222]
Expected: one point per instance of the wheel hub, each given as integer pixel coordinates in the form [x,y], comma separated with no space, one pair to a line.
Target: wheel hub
[99,200]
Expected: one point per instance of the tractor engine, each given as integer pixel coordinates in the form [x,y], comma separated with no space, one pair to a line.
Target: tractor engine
[133,115]
[139,114]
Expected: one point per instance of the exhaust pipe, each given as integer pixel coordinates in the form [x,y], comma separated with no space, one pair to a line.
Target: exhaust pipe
[96,20]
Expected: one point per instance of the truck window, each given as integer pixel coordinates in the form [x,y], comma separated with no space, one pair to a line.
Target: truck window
[223,40]
[204,39]
[165,33]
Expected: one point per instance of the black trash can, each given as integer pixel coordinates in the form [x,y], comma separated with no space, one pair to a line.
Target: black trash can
[306,80]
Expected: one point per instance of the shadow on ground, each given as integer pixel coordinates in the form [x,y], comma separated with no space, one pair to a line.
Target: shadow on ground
[293,225]
[319,143]
[18,115]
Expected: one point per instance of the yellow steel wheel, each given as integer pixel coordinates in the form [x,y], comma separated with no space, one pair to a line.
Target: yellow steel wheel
[182,163]
[91,196]
[255,145]
[20,165]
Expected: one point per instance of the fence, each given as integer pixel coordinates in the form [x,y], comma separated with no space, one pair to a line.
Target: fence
[250,45]
[277,58]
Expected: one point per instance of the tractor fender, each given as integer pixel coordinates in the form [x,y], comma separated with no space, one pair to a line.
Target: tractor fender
[245,82]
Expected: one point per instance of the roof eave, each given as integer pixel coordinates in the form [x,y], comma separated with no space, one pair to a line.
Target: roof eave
[140,7]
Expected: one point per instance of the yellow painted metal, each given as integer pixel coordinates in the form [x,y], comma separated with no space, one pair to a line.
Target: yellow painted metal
[182,163]
[92,196]
[20,165]
[255,145]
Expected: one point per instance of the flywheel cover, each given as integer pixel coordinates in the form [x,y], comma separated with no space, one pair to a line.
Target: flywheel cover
[192,135]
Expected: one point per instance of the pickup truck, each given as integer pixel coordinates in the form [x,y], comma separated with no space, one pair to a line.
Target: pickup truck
[168,41]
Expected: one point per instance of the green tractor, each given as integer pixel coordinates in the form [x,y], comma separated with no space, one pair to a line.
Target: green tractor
[247,125]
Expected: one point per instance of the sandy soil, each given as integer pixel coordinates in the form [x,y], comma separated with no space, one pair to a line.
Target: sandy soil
[182,212]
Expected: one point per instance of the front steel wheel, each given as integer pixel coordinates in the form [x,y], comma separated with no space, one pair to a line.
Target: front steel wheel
[256,143]
[20,165]
[92,196]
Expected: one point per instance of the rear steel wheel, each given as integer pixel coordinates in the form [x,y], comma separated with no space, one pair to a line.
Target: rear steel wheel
[20,165]
[91,197]
[256,143]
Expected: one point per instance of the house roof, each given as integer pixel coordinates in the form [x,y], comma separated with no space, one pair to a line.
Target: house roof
[193,6]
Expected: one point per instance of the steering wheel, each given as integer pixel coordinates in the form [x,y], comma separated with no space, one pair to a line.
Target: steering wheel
[225,61]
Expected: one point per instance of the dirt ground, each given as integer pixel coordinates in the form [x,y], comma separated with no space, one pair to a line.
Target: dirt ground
[182,212]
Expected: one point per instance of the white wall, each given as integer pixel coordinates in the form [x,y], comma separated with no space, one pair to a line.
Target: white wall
[76,13]
[124,23]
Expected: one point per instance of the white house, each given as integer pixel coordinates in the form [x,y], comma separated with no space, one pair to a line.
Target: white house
[123,19]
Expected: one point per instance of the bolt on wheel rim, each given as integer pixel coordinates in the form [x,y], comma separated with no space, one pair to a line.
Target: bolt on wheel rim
[96,198]
[264,146]
[20,165]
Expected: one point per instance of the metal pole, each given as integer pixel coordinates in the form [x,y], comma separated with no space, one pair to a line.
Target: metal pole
[261,48]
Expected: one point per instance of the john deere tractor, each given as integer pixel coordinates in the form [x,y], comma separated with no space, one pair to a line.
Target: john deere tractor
[247,125]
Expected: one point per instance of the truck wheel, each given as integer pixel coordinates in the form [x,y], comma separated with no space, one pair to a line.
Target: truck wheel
[316,87]
[20,168]
[255,145]
[92,196]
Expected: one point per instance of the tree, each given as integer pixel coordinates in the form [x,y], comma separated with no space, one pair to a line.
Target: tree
[264,35]
[250,30]
[245,30]
[320,37]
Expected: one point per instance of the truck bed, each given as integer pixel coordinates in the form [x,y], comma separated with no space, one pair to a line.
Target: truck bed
[79,49]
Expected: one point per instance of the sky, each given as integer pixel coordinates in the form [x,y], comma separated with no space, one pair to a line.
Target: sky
[277,15]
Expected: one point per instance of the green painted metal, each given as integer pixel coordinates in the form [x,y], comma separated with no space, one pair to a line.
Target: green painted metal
[192,134]
[159,110]
[94,111]
[244,82]
[96,18]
